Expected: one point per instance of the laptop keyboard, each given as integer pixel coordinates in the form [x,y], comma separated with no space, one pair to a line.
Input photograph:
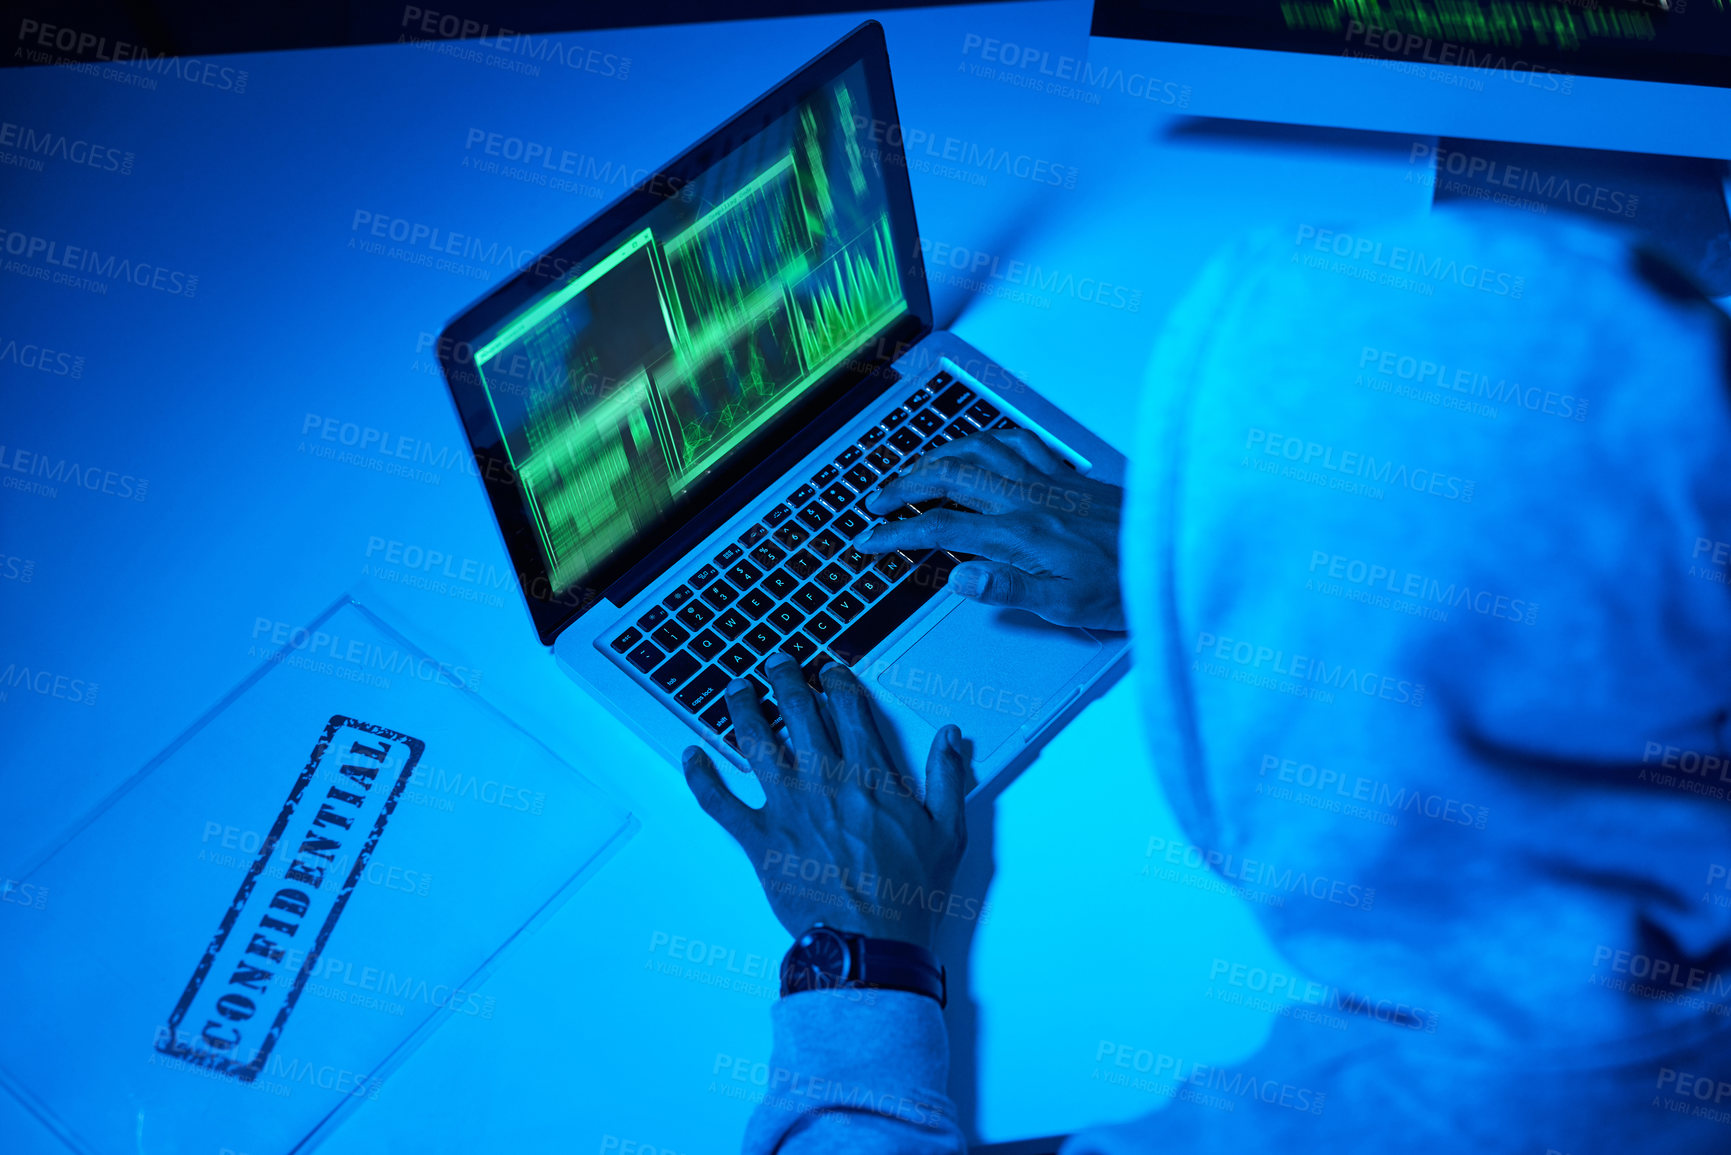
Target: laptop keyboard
[794,582]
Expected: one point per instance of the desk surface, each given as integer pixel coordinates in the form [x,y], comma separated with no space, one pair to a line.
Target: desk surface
[208,397]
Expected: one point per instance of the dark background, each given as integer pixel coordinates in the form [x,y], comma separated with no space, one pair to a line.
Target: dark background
[207,27]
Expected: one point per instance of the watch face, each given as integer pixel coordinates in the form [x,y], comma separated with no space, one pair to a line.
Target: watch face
[822,955]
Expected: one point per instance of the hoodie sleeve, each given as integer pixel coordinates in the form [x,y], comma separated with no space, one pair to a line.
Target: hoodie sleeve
[857,1070]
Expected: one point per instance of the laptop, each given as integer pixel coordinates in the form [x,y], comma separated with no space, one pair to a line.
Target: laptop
[679,410]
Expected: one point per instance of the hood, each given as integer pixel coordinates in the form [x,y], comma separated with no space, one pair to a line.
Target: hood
[1425,556]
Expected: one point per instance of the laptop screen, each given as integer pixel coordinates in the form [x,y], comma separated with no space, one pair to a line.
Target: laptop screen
[618,389]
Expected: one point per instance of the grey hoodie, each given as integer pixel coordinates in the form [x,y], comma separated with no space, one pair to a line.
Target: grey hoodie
[1424,554]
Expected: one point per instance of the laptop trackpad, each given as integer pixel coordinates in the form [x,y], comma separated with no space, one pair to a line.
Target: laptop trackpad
[987,669]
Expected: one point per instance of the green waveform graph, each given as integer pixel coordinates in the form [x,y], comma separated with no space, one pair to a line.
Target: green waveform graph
[847,296]
[754,238]
[597,476]
[715,404]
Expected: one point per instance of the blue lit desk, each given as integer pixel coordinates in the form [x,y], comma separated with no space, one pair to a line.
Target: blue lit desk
[215,397]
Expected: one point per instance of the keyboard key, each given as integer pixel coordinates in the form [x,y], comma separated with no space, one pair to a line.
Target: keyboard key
[872,436]
[792,535]
[903,512]
[825,475]
[779,584]
[702,691]
[815,514]
[940,439]
[707,646]
[810,598]
[861,477]
[626,640]
[905,440]
[918,399]
[696,615]
[732,623]
[838,496]
[894,608]
[848,456]
[752,536]
[671,636]
[744,574]
[762,638]
[704,576]
[799,647]
[822,627]
[850,523]
[756,603]
[895,418]
[678,597]
[645,657]
[778,515]
[803,565]
[894,564]
[832,577]
[728,556]
[883,459]
[738,660]
[983,413]
[928,421]
[943,377]
[675,671]
[953,400]
[854,559]
[768,555]
[845,606]
[914,509]
[961,427]
[869,586]
[826,544]
[720,595]
[1005,423]
[716,717]
[801,495]
[785,617]
[655,616]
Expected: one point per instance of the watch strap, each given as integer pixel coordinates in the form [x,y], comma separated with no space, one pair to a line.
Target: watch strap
[890,964]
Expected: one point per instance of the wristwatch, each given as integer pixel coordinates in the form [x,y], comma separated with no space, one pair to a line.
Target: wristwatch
[824,958]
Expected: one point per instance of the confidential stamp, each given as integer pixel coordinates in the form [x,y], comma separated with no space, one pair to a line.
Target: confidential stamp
[232,1010]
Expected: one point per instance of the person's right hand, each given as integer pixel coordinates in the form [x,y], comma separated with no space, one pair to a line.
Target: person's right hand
[838,803]
[1046,537]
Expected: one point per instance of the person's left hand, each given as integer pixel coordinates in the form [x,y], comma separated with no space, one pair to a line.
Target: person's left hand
[843,837]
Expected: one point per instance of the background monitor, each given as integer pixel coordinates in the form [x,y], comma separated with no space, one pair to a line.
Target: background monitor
[1637,75]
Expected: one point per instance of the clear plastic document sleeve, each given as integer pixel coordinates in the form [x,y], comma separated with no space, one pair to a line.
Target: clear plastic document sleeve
[241,942]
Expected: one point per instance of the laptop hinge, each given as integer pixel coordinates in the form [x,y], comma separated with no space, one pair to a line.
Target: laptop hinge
[890,346]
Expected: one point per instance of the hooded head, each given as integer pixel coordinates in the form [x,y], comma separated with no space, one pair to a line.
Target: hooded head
[1425,555]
